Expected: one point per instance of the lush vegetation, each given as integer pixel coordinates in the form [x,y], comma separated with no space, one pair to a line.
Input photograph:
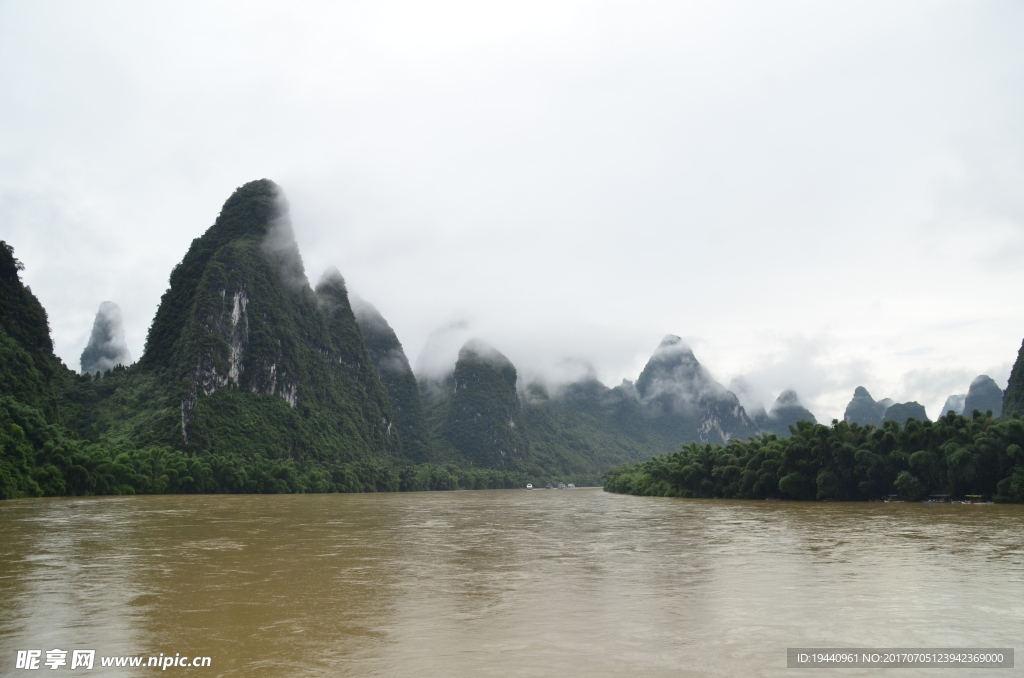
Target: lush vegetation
[955,455]
[62,433]
[253,381]
[387,355]
[42,459]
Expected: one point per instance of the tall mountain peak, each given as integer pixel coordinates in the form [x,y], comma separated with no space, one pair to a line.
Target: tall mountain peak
[484,422]
[107,346]
[954,403]
[240,322]
[684,402]
[787,411]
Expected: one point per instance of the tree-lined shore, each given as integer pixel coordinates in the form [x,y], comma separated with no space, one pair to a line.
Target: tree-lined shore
[956,455]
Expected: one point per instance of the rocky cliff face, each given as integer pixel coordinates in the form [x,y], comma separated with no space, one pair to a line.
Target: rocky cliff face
[681,399]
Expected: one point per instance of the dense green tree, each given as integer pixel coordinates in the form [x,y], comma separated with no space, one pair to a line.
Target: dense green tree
[955,455]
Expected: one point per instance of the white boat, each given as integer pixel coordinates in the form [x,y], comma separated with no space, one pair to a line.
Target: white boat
[529,486]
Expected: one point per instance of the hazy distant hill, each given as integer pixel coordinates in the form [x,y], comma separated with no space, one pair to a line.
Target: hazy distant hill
[786,412]
[29,367]
[984,395]
[901,412]
[863,409]
[954,403]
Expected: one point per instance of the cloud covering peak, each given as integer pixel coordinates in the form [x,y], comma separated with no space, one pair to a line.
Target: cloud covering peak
[107,347]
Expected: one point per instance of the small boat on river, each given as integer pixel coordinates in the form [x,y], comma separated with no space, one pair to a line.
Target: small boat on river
[529,486]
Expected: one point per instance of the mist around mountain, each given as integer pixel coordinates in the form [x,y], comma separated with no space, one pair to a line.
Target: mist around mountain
[786,412]
[107,347]
[393,370]
[482,416]
[864,410]
[679,398]
[954,403]
[253,380]
[984,395]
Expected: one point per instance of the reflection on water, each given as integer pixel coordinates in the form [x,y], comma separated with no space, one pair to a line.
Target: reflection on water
[502,583]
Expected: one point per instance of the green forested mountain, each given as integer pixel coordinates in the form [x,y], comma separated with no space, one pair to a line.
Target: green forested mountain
[476,411]
[984,394]
[1013,397]
[681,401]
[786,412]
[255,356]
[254,381]
[26,351]
[480,417]
[392,365]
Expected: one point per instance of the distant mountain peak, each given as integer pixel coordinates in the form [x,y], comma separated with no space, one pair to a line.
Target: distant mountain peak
[478,349]
[863,409]
[484,421]
[787,398]
[683,400]
[107,347]
[240,322]
[955,403]
[984,395]
[674,349]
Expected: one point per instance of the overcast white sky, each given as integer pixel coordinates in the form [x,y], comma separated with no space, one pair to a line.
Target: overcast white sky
[817,195]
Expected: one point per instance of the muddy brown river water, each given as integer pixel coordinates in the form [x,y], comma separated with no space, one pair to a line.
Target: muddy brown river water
[502,583]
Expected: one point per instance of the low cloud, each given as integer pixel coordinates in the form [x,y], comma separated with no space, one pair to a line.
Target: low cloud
[280,246]
[437,358]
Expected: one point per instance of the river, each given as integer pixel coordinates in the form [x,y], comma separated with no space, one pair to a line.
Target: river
[502,583]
